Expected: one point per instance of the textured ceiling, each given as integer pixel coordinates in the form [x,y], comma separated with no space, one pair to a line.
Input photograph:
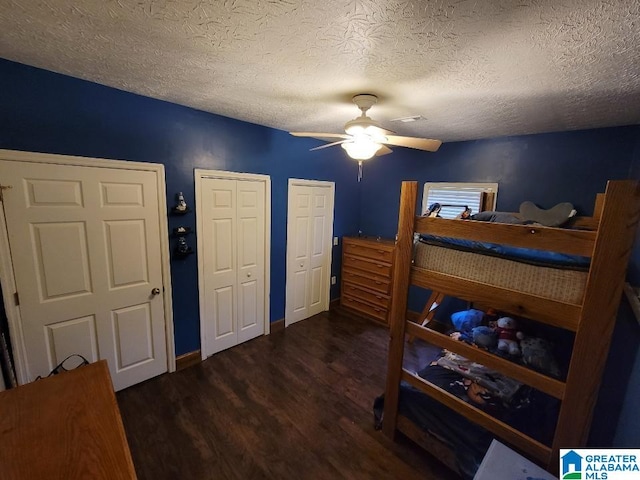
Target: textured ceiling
[471,69]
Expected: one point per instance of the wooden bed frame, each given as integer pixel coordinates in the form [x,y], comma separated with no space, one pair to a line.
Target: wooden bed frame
[607,238]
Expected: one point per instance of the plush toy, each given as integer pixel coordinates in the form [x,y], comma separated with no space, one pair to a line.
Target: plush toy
[466,320]
[508,335]
[482,336]
[537,353]
[485,337]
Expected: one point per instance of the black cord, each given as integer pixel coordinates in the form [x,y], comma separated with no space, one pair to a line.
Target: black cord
[59,368]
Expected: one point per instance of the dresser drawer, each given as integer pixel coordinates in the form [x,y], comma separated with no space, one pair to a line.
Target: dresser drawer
[380,284]
[380,252]
[375,298]
[372,266]
[370,310]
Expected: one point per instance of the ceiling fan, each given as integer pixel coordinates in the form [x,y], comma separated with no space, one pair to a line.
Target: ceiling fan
[365,138]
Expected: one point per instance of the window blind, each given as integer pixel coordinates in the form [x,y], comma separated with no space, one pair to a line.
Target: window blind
[454,200]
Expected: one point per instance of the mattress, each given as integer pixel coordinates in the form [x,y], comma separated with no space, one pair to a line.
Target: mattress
[542,258]
[559,284]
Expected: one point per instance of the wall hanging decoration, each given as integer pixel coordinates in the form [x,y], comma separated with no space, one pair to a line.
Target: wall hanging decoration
[182,248]
[181,207]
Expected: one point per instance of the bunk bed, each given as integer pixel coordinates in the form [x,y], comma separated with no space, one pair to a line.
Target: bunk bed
[589,312]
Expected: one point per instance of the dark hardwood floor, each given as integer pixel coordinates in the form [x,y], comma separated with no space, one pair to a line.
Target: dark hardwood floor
[296,404]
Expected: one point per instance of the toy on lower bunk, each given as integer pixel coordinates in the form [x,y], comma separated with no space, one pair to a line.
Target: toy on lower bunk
[508,335]
[501,336]
[537,353]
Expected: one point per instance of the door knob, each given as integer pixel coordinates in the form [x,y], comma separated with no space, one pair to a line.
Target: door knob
[248,274]
[302,265]
[155,291]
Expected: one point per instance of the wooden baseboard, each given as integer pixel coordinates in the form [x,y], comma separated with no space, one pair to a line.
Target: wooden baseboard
[276,326]
[188,360]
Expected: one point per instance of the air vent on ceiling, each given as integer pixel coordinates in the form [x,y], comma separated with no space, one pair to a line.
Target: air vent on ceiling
[413,118]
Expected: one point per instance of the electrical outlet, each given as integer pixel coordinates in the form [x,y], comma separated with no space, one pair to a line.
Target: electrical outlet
[333,280]
[335,241]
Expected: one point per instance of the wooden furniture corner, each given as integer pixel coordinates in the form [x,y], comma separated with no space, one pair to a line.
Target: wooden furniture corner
[64,427]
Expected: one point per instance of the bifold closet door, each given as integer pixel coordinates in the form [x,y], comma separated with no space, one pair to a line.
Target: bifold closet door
[232,216]
[85,246]
[309,233]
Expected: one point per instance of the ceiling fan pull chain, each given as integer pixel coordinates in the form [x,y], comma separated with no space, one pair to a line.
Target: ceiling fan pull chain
[359,170]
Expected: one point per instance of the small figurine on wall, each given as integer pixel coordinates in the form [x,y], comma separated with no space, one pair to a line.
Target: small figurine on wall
[182,245]
[182,205]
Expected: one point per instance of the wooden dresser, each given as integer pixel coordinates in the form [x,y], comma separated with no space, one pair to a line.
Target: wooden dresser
[367,269]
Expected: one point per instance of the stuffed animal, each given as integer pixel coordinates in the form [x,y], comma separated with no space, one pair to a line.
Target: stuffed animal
[466,320]
[482,336]
[508,335]
[537,353]
[485,337]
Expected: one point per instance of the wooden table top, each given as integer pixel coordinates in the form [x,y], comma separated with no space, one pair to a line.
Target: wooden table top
[64,427]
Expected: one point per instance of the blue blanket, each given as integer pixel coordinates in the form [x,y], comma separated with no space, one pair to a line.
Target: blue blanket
[526,255]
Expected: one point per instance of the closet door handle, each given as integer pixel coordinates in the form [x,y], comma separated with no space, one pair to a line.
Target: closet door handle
[248,274]
[155,291]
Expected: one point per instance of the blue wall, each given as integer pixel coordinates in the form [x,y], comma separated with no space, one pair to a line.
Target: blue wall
[46,112]
[546,169]
[42,111]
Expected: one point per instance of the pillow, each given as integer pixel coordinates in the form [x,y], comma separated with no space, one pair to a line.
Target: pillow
[553,217]
[498,217]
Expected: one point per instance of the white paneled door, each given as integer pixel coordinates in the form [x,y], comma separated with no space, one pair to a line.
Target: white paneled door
[231,227]
[85,246]
[309,234]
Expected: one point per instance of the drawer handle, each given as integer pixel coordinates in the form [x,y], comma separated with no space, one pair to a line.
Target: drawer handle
[379,266]
[381,252]
[377,282]
[378,297]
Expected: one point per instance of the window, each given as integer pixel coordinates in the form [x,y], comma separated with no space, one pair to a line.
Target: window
[454,197]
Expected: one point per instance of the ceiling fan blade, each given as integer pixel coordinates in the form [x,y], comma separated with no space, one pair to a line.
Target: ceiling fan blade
[381,131]
[413,142]
[328,145]
[384,150]
[320,135]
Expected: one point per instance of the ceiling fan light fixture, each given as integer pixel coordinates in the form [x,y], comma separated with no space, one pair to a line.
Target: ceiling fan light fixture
[364,137]
[362,124]
[354,129]
[361,148]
